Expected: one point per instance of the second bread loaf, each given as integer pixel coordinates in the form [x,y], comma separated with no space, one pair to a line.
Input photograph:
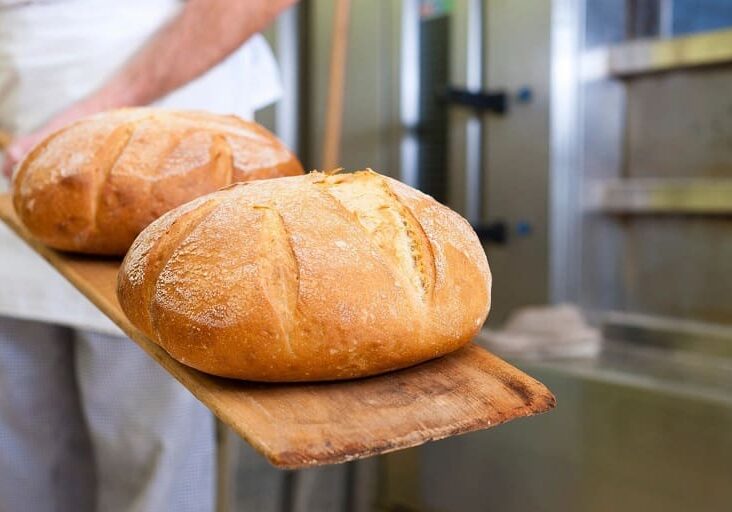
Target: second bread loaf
[94,185]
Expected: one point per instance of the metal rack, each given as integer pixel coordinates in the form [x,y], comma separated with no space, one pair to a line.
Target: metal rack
[641,57]
[687,196]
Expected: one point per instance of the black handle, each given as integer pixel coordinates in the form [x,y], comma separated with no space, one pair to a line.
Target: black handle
[494,232]
[493,101]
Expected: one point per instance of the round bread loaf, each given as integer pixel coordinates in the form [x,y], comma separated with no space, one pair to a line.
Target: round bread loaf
[94,185]
[314,277]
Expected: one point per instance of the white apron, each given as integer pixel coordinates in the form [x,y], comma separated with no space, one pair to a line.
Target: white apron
[55,52]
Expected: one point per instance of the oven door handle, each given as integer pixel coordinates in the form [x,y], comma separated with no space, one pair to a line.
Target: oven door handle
[481,101]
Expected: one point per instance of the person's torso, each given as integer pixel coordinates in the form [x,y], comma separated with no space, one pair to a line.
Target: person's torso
[55,52]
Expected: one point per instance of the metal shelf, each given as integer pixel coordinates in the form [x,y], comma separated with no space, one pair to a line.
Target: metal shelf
[652,56]
[663,196]
[646,56]
[680,335]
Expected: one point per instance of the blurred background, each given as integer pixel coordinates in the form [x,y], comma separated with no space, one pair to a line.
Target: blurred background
[590,144]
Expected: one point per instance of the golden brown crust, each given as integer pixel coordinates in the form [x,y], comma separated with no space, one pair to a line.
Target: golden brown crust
[94,185]
[307,278]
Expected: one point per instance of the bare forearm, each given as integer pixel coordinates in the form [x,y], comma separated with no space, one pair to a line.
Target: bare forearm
[202,35]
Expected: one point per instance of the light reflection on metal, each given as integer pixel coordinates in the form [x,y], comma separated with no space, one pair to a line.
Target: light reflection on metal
[288,56]
[666,18]
[409,92]
[474,126]
[474,71]
[409,65]
[408,156]
[565,160]
[473,170]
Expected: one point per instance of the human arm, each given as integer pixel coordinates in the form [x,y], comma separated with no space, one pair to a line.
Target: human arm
[199,37]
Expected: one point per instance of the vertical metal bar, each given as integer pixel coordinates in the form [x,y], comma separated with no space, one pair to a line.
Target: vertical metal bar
[666,18]
[474,126]
[565,147]
[349,484]
[289,57]
[287,503]
[409,93]
[305,118]
[224,467]
[630,18]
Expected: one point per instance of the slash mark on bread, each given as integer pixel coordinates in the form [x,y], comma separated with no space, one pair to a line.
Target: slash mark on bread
[279,277]
[103,164]
[390,225]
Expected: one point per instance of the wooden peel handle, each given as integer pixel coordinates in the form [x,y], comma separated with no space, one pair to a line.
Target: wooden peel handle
[336,86]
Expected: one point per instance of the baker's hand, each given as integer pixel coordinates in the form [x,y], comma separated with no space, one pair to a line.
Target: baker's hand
[22,144]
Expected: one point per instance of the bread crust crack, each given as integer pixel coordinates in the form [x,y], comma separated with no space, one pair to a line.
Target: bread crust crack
[389,223]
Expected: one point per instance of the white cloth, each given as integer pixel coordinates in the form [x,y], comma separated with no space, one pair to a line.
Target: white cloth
[90,422]
[52,54]
[539,332]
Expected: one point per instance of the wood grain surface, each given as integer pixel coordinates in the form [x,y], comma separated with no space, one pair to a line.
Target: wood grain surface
[301,425]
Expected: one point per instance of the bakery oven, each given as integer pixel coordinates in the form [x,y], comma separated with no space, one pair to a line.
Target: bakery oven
[612,168]
[590,142]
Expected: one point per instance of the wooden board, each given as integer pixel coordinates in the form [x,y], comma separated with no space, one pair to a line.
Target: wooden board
[300,425]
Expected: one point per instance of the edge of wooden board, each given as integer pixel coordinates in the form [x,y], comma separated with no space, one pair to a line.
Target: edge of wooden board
[539,400]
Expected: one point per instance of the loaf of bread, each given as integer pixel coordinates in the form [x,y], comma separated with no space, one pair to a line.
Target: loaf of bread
[94,185]
[306,278]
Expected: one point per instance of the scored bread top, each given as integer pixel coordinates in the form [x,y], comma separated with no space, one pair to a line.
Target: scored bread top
[95,184]
[313,277]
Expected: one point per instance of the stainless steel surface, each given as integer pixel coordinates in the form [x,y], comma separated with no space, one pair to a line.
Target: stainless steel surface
[678,267]
[516,149]
[459,118]
[662,195]
[601,263]
[666,18]
[409,92]
[289,57]
[683,373]
[635,430]
[566,157]
[474,38]
[652,56]
[466,178]
[679,125]
[656,144]
[672,334]
[646,425]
